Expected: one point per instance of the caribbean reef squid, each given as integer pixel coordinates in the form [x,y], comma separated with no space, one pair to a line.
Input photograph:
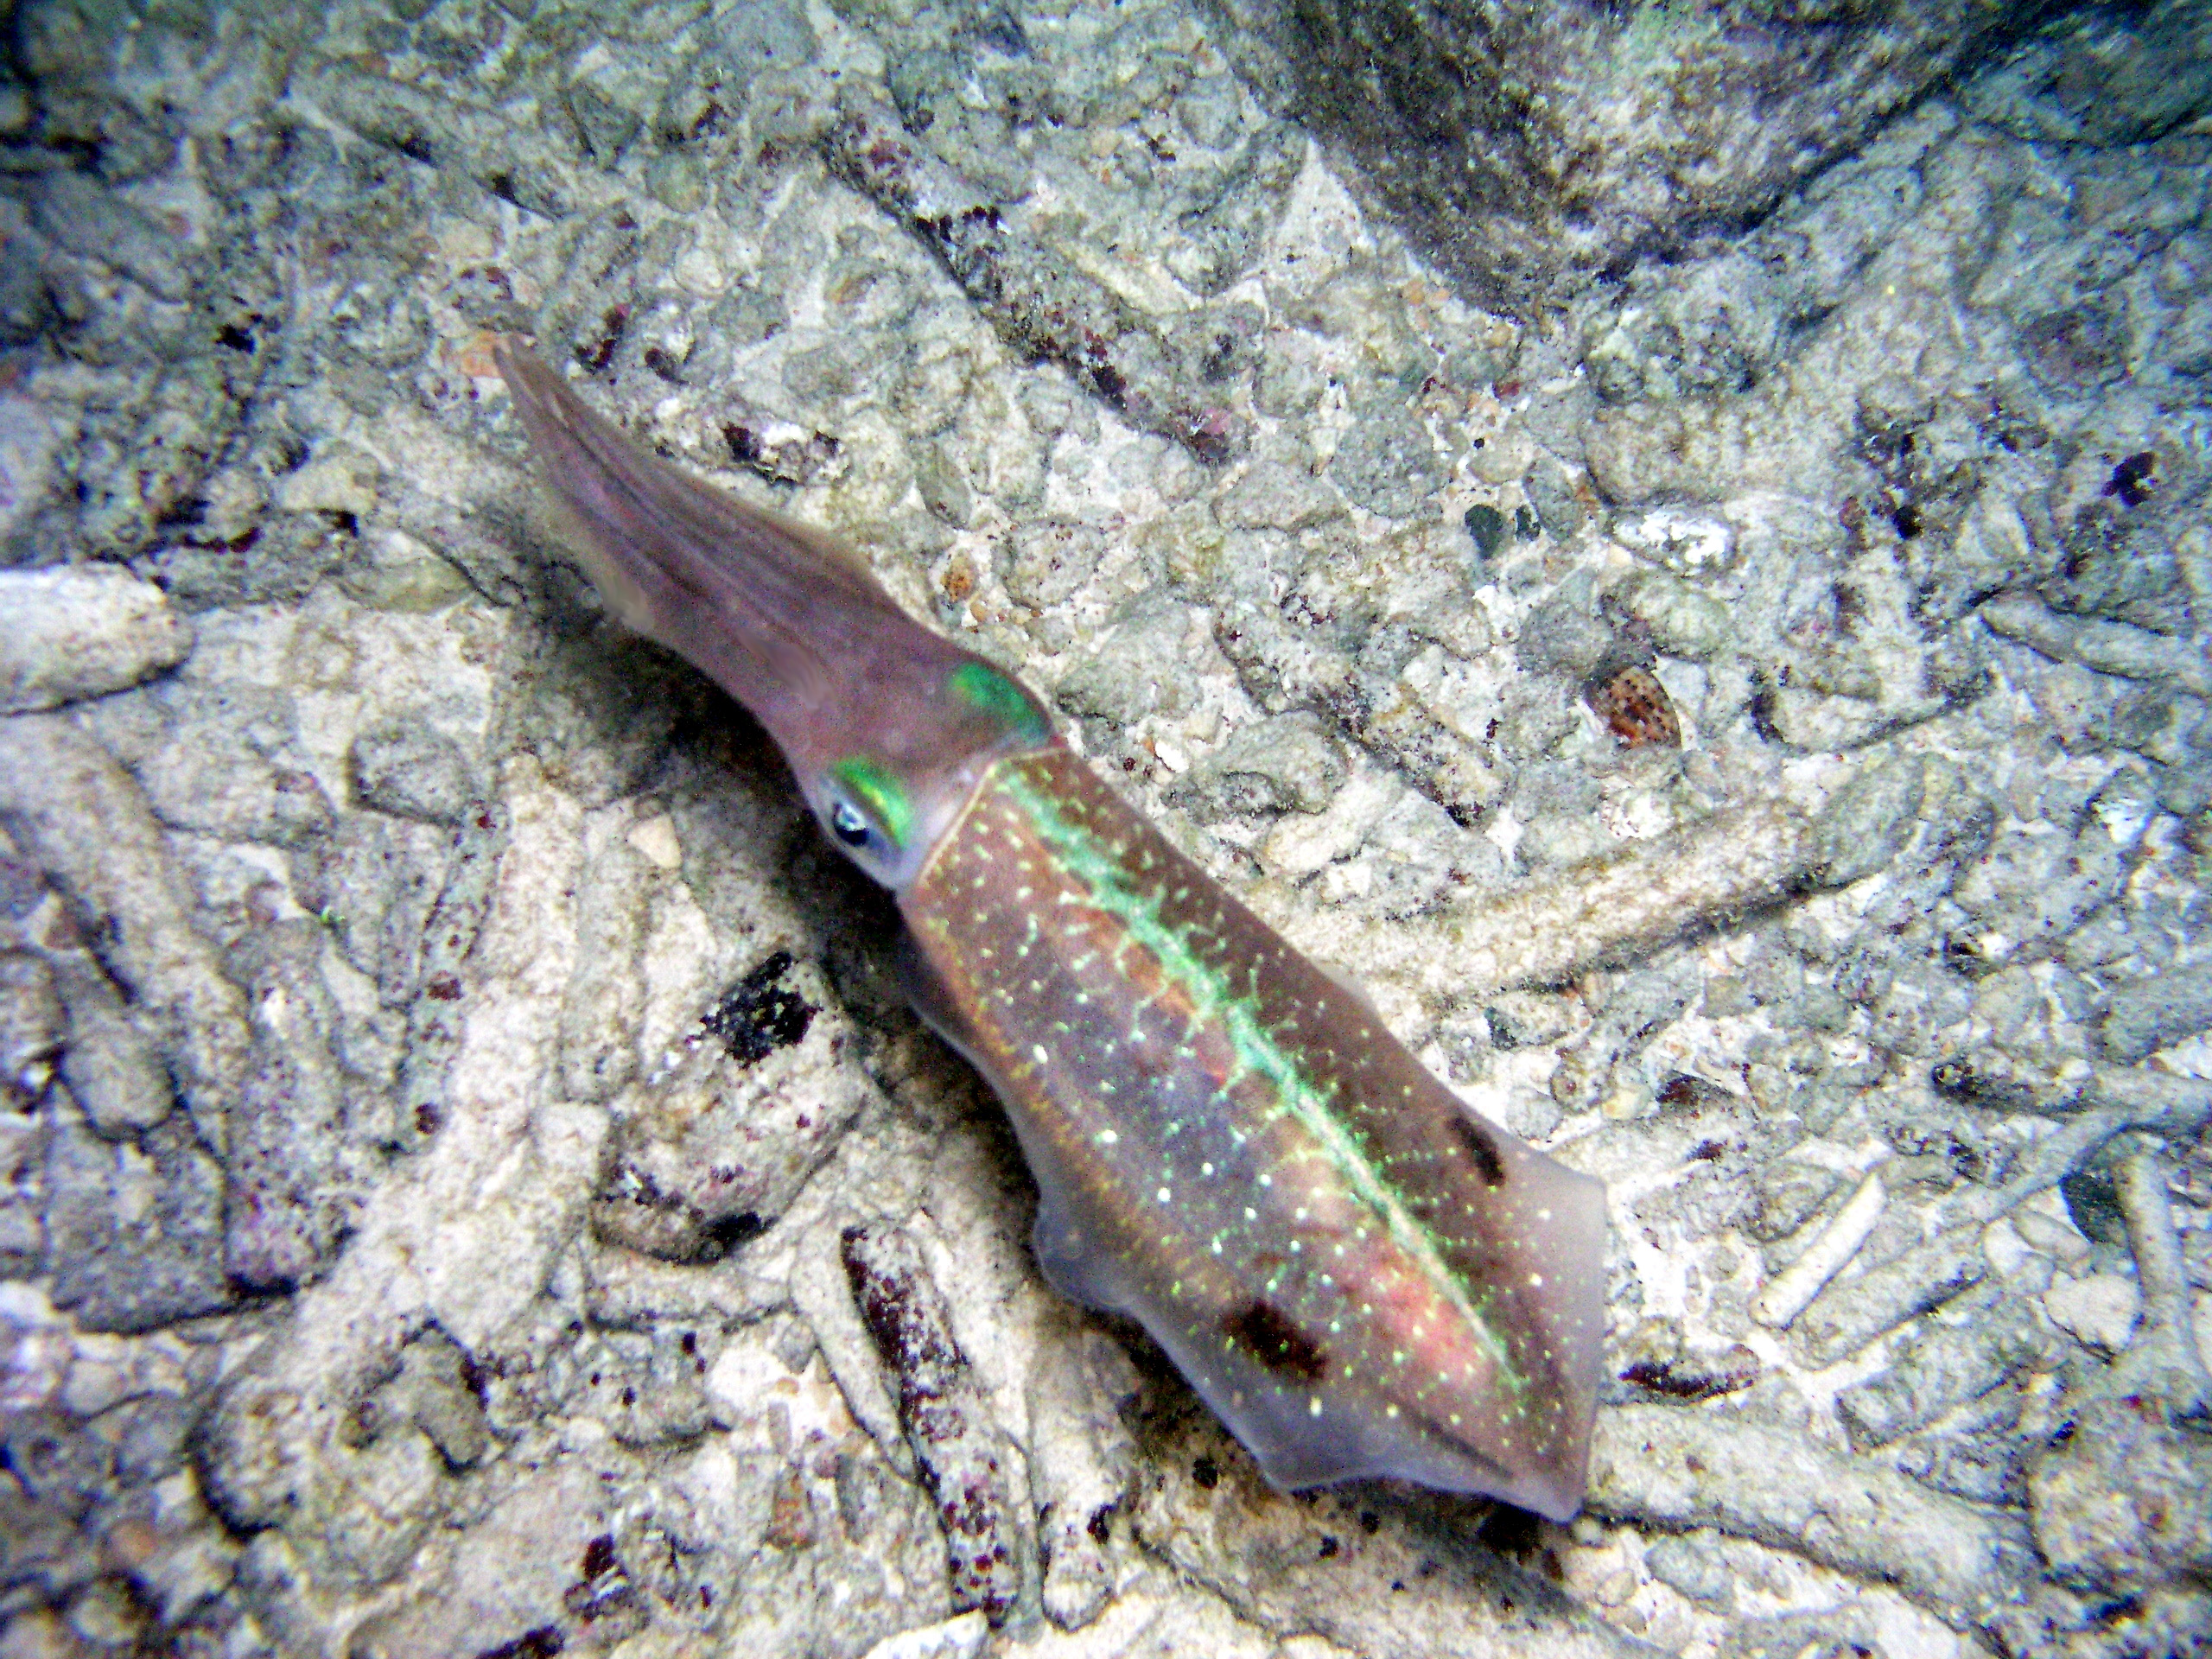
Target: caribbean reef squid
[1357,1272]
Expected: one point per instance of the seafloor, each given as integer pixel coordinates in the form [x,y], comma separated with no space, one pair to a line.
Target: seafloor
[1745,723]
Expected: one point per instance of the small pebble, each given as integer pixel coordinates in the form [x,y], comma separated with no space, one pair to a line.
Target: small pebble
[2099,1311]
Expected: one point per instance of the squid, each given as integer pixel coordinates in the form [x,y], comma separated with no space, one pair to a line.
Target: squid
[1357,1273]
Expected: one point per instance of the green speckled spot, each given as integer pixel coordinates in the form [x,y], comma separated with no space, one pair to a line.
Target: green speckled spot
[883,796]
[984,688]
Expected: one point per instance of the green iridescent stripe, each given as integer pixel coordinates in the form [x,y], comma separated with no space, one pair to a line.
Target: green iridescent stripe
[1211,995]
[982,687]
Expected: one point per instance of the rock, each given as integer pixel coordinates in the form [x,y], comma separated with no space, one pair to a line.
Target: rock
[2029,886]
[1044,561]
[1387,463]
[112,1068]
[1566,635]
[1527,1019]
[1082,1461]
[2116,648]
[1291,379]
[234,768]
[603,1008]
[134,1231]
[1899,469]
[1681,620]
[1325,1566]
[1528,148]
[1284,764]
[1141,667]
[1848,1314]
[598,708]
[945,491]
[2142,1018]
[156,1442]
[1043,304]
[715,1144]
[1870,820]
[2122,1501]
[1677,1469]
[1694,1565]
[31,1026]
[1271,496]
[431,1389]
[1942,1365]
[290,1162]
[123,884]
[1561,501]
[605,126]
[1686,542]
[82,630]
[402,764]
[988,1558]
[101,225]
[1300,845]
[2099,1311]
[955,1638]
[2116,82]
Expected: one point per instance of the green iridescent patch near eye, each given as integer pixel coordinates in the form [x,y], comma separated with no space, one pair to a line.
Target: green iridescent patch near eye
[982,687]
[882,795]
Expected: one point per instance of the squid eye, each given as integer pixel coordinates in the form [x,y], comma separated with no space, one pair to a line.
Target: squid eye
[889,816]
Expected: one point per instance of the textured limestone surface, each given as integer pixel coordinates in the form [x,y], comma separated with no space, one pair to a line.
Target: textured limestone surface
[1532,146]
[468,1182]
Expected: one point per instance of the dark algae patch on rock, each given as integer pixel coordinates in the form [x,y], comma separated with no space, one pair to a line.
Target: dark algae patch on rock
[760,1014]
